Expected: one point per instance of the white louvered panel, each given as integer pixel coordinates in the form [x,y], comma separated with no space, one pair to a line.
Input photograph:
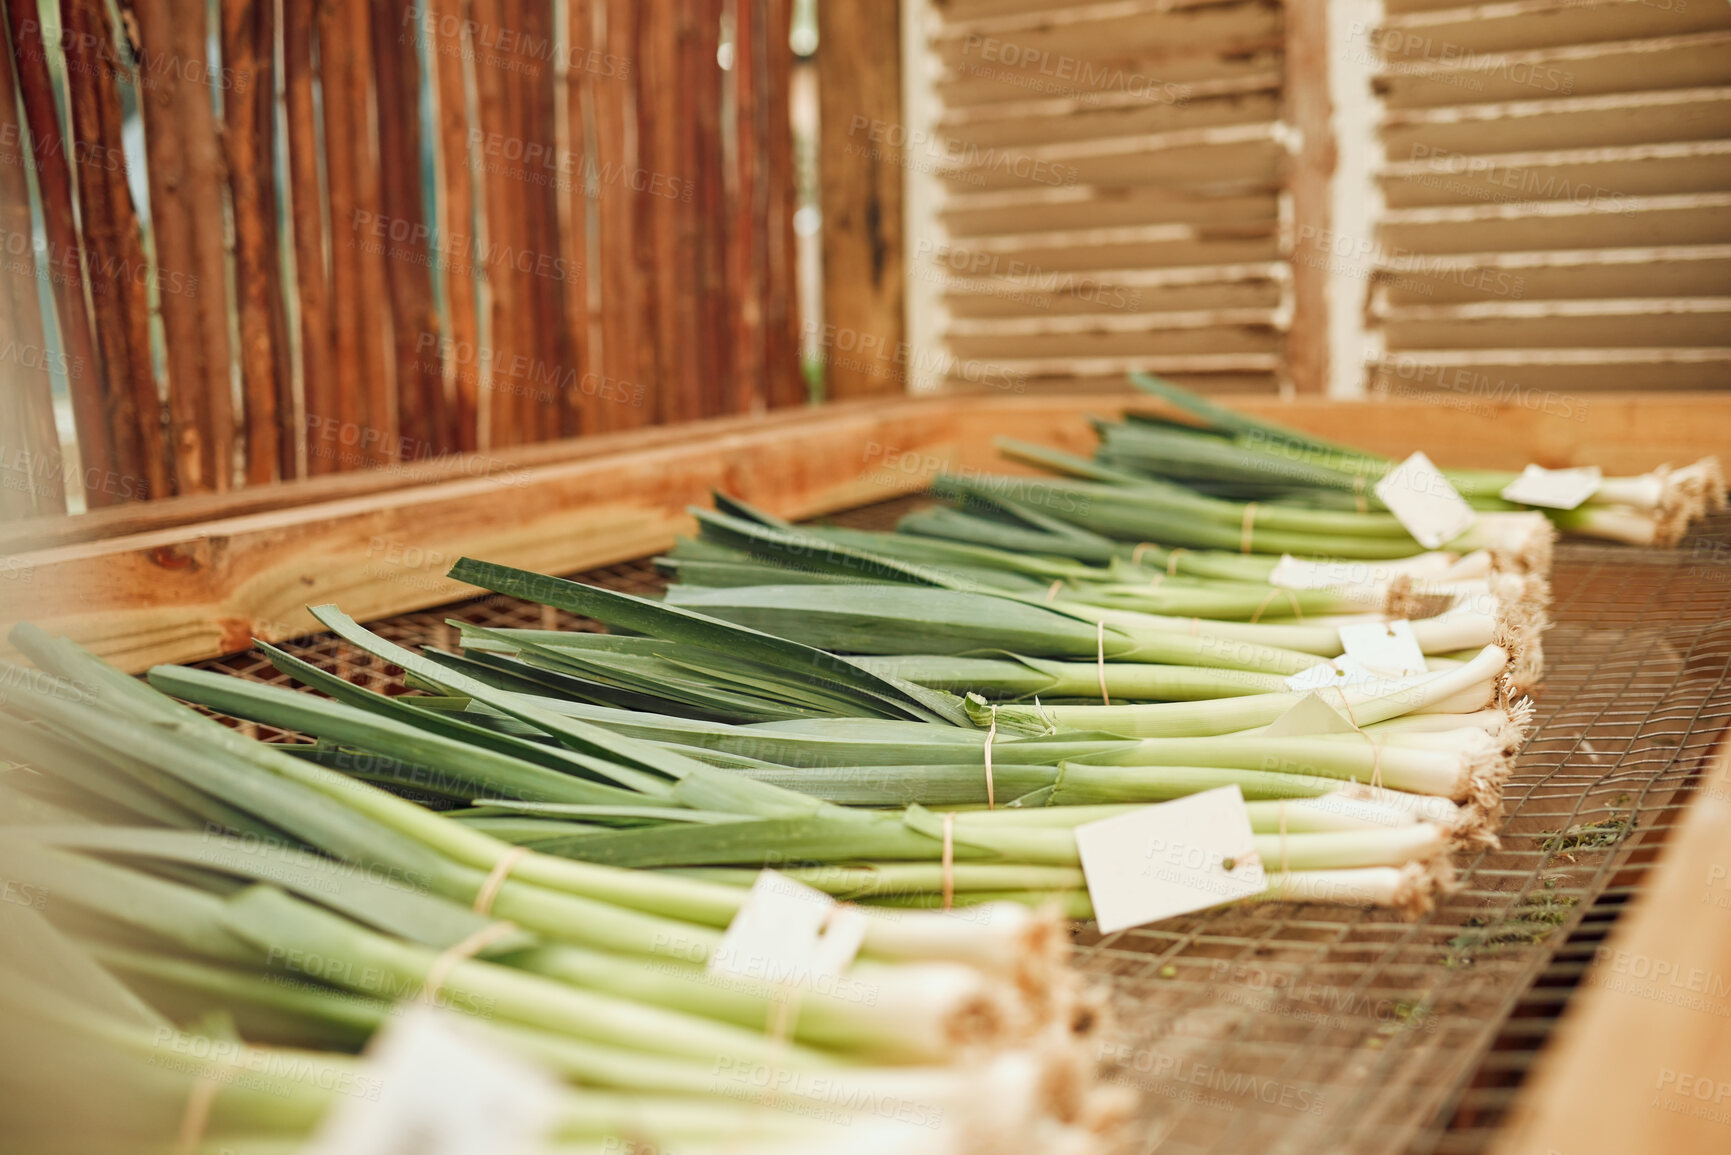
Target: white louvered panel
[1104,190]
[1525,25]
[1127,292]
[1083,206]
[1696,60]
[1558,190]
[1618,119]
[1447,278]
[1525,375]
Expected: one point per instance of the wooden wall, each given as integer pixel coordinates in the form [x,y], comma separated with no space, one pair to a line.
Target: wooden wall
[368,232]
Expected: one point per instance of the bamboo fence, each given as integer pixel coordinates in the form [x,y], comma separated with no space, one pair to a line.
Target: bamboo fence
[370,232]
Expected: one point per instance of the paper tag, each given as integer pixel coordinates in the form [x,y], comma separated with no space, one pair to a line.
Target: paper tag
[1340,672]
[1554,488]
[779,933]
[1170,859]
[435,1085]
[1312,715]
[1291,573]
[1417,493]
[1386,649]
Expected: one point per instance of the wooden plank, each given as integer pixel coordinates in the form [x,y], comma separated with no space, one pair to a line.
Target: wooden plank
[1020,373]
[1692,270]
[184,171]
[450,50]
[32,476]
[585,400]
[786,384]
[381,440]
[1212,98]
[622,289]
[1075,118]
[664,360]
[1246,153]
[1010,358]
[1513,25]
[1032,45]
[1685,219]
[334,443]
[1309,177]
[113,250]
[1234,60]
[1046,208]
[1613,323]
[1647,1039]
[1147,246]
[1127,291]
[551,410]
[1620,118]
[747,235]
[202,192]
[1696,60]
[153,516]
[86,379]
[1605,176]
[709,217]
[318,370]
[497,233]
[422,421]
[1557,372]
[861,174]
[183,592]
[249,136]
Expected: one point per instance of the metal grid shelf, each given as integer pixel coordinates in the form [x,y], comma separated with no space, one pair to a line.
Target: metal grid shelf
[1289,1028]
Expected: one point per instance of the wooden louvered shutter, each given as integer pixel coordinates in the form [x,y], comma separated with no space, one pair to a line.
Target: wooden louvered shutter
[1096,187]
[1558,198]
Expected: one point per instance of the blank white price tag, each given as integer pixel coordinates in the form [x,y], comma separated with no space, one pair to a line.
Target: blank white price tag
[779,933]
[1554,488]
[1312,715]
[1340,672]
[435,1085]
[1422,499]
[1293,573]
[1170,859]
[1386,649]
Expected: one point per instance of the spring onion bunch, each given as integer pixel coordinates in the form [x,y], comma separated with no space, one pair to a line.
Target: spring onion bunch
[1461,603]
[880,763]
[1230,454]
[214,873]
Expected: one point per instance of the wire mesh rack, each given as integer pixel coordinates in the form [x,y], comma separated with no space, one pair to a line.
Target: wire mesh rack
[1300,1028]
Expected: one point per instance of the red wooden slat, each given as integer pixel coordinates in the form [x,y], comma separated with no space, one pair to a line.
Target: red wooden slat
[113,251]
[627,365]
[786,385]
[85,379]
[456,239]
[460,355]
[421,412]
[501,216]
[382,439]
[319,378]
[32,482]
[583,401]
[249,108]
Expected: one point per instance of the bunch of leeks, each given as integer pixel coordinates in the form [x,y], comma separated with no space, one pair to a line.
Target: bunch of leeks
[221,875]
[1231,454]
